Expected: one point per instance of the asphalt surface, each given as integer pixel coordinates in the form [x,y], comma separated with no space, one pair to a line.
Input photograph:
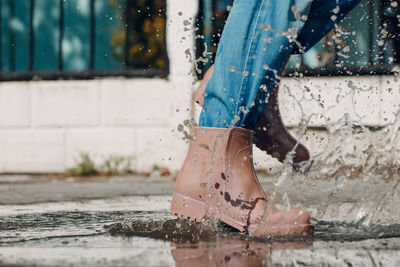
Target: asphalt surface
[52,220]
[27,189]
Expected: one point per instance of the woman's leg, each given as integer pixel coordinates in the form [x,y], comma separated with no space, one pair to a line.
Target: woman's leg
[257,40]
[321,18]
[270,134]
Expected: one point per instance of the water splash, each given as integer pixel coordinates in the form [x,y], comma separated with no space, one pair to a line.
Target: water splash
[355,179]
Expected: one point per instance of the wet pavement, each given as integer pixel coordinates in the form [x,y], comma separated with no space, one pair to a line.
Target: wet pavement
[137,230]
[26,189]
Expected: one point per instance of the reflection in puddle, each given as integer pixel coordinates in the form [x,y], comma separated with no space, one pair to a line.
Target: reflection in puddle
[183,231]
[73,234]
[334,244]
[227,252]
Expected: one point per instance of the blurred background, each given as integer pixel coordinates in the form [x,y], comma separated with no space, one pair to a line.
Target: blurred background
[105,85]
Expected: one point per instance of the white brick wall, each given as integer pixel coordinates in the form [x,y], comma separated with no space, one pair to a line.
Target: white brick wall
[161,147]
[364,99]
[65,104]
[124,105]
[56,120]
[390,99]
[32,150]
[14,105]
[44,125]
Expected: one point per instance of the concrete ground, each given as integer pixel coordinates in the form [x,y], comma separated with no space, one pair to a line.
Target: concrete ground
[24,189]
[52,220]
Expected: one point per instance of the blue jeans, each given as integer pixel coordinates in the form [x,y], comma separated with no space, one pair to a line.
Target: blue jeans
[257,40]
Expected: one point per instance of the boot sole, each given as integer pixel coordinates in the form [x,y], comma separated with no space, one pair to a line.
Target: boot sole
[195,210]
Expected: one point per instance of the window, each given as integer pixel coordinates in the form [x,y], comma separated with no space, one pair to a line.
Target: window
[210,23]
[368,41]
[82,38]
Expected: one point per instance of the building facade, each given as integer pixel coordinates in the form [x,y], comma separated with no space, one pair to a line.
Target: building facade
[109,77]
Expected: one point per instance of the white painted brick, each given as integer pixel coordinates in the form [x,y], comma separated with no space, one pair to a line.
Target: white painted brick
[32,150]
[327,100]
[180,101]
[136,102]
[65,103]
[366,104]
[14,104]
[180,38]
[390,98]
[100,143]
[161,147]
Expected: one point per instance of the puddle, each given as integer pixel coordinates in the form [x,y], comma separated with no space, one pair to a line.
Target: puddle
[139,231]
[182,231]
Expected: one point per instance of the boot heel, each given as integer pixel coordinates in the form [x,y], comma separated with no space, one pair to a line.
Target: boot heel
[187,208]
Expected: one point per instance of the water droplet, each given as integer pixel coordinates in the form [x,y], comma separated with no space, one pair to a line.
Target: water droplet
[336,9]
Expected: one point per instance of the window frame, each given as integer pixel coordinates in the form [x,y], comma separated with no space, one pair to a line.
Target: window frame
[325,71]
[91,73]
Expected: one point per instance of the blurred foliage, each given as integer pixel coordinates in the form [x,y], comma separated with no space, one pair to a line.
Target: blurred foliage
[116,165]
[111,165]
[84,166]
[146,37]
